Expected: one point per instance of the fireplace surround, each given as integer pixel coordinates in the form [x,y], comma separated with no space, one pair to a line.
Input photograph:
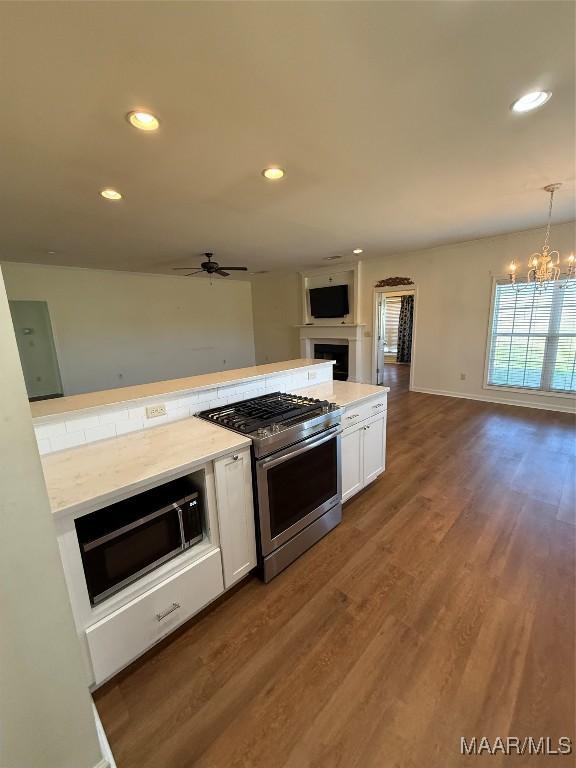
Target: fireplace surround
[350,336]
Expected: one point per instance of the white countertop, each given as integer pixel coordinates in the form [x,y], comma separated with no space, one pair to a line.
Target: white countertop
[81,480]
[342,393]
[72,403]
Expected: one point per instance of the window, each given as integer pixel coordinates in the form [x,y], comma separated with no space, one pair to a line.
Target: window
[391,318]
[532,343]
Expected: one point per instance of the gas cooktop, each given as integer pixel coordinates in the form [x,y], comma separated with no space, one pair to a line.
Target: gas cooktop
[276,419]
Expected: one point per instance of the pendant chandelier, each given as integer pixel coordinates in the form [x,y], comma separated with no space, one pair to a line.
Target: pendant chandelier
[544,266]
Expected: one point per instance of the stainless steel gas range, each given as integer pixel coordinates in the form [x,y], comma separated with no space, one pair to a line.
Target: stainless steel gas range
[296,471]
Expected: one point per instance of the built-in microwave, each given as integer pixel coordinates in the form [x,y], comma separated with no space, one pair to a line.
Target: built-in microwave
[126,540]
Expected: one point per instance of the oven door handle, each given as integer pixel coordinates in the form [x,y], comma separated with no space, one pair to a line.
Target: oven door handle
[306,445]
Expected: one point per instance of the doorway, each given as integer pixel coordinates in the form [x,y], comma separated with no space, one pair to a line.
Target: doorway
[33,330]
[393,337]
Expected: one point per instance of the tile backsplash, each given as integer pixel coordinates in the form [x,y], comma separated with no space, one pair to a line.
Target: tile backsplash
[56,433]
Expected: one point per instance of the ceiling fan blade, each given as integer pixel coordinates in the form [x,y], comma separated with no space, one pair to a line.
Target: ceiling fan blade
[222,273]
[194,267]
[196,272]
[242,269]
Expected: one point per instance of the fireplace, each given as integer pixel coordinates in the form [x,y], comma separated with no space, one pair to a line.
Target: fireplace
[337,352]
[345,345]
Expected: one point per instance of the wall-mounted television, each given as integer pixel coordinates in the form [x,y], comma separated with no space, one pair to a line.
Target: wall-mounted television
[331,301]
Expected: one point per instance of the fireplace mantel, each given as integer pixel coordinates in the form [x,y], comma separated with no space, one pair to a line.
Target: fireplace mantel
[339,325]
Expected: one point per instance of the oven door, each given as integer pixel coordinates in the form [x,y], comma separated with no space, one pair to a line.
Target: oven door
[296,486]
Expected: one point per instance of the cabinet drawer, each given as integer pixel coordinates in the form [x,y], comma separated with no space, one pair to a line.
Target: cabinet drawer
[123,635]
[356,413]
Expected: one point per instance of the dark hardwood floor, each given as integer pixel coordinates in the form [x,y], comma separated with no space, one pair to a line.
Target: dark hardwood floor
[442,606]
[397,377]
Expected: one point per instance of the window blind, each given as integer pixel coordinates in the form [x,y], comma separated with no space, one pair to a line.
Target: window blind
[532,343]
[391,320]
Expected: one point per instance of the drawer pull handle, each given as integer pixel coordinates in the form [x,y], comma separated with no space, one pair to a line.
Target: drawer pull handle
[353,416]
[378,405]
[167,612]
[235,457]
[366,427]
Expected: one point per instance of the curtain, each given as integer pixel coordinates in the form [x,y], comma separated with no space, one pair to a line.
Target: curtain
[405,330]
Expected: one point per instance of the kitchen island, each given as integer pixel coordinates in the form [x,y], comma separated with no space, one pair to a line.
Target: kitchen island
[93,478]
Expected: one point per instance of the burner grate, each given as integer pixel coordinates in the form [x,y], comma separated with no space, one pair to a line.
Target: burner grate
[249,415]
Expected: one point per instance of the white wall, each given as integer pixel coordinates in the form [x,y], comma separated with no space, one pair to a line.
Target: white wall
[454,286]
[46,716]
[276,305]
[114,329]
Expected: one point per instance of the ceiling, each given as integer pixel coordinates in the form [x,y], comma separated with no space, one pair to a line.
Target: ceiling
[392,120]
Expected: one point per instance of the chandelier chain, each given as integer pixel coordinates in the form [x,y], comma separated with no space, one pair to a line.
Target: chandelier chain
[547,236]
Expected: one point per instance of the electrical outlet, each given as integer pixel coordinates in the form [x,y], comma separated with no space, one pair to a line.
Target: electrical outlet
[462,377]
[312,375]
[152,411]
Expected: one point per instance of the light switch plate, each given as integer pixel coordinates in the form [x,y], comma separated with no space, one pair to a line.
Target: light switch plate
[152,411]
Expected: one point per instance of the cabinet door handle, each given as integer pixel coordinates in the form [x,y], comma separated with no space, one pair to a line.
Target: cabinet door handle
[366,427]
[235,457]
[353,416]
[378,405]
[167,612]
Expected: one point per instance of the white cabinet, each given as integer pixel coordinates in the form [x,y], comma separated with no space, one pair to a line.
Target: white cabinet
[236,515]
[374,449]
[126,633]
[352,469]
[363,449]
[125,625]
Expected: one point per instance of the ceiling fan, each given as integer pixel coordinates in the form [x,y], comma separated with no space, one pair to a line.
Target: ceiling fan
[211,268]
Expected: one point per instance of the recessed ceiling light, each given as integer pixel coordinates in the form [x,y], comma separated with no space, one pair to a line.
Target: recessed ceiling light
[144,121]
[358,250]
[111,194]
[274,173]
[531,101]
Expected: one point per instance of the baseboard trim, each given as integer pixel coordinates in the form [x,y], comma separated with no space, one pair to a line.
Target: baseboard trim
[500,401]
[108,758]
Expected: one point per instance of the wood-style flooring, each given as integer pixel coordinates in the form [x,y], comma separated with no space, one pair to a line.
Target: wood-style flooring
[442,606]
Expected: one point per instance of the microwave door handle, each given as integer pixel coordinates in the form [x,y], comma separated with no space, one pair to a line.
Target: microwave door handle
[307,445]
[183,541]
